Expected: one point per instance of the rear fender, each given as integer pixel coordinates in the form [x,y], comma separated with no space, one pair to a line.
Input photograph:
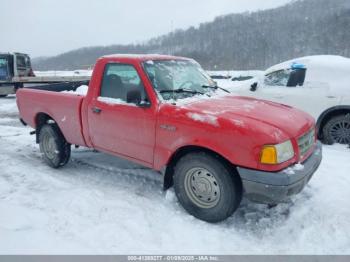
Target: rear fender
[42,119]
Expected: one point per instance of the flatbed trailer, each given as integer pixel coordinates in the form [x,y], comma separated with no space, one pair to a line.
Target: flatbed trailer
[44,79]
[16,72]
[54,83]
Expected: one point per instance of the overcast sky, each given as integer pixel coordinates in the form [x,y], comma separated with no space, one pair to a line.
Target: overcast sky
[50,27]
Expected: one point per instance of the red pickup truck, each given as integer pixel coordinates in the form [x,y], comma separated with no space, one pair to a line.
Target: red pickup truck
[166,113]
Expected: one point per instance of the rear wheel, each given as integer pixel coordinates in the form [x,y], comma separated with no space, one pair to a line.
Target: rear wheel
[53,146]
[206,187]
[337,130]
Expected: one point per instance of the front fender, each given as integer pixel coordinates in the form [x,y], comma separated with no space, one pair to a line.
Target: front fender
[239,142]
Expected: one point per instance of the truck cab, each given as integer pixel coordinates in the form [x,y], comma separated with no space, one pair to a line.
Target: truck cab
[13,65]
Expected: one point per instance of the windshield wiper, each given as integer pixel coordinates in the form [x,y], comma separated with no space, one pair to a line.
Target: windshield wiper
[216,87]
[181,90]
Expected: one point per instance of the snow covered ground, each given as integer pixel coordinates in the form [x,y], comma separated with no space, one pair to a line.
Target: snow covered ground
[100,204]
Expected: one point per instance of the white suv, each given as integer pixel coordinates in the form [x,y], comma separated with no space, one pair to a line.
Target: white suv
[319,85]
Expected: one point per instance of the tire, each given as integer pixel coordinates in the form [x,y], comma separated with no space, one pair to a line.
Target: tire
[1,96]
[54,147]
[206,187]
[337,130]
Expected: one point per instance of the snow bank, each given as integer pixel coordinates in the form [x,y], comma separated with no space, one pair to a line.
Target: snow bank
[235,73]
[232,86]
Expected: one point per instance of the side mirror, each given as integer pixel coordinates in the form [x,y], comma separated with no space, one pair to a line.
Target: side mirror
[254,87]
[134,97]
[144,104]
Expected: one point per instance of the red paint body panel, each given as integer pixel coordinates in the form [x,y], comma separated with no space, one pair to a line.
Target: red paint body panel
[235,127]
[64,108]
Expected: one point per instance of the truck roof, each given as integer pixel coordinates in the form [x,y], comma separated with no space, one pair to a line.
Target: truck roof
[13,53]
[145,57]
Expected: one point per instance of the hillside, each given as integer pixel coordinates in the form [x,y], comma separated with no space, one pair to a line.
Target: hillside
[240,41]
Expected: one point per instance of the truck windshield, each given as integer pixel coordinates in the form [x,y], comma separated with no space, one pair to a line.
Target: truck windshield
[177,79]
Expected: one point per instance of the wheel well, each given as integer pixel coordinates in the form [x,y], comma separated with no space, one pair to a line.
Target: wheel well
[325,117]
[169,170]
[40,120]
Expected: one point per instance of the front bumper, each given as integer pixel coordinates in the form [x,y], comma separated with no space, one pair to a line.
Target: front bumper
[275,187]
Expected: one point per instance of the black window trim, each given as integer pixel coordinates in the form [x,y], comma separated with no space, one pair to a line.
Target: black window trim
[127,64]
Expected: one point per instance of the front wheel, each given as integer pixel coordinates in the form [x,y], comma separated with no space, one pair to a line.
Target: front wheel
[54,147]
[206,187]
[337,130]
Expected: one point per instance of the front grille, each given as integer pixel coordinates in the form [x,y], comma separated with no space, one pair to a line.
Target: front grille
[306,141]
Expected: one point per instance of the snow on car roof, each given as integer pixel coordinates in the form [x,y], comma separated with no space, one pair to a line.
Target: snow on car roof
[144,57]
[323,70]
[314,61]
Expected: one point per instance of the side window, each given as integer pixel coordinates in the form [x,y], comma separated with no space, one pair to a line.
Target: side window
[27,61]
[297,77]
[118,80]
[277,78]
[21,62]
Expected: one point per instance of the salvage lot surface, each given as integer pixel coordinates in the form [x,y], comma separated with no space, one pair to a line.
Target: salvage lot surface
[102,204]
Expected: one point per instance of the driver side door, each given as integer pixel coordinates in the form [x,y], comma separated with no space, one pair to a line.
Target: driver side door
[118,126]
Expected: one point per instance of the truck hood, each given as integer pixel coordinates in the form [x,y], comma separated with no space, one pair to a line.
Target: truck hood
[291,121]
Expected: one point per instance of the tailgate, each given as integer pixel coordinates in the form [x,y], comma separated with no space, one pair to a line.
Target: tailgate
[63,108]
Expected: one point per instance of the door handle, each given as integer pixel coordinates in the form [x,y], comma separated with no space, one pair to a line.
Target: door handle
[96,110]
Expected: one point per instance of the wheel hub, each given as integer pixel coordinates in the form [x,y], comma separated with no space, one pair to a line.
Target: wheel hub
[340,132]
[49,146]
[202,187]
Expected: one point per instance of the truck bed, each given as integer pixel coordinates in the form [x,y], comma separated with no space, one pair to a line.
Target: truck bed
[63,108]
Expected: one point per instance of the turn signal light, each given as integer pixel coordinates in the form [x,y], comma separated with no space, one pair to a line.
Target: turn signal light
[269,155]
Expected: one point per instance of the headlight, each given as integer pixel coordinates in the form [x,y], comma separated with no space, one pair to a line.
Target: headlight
[277,154]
